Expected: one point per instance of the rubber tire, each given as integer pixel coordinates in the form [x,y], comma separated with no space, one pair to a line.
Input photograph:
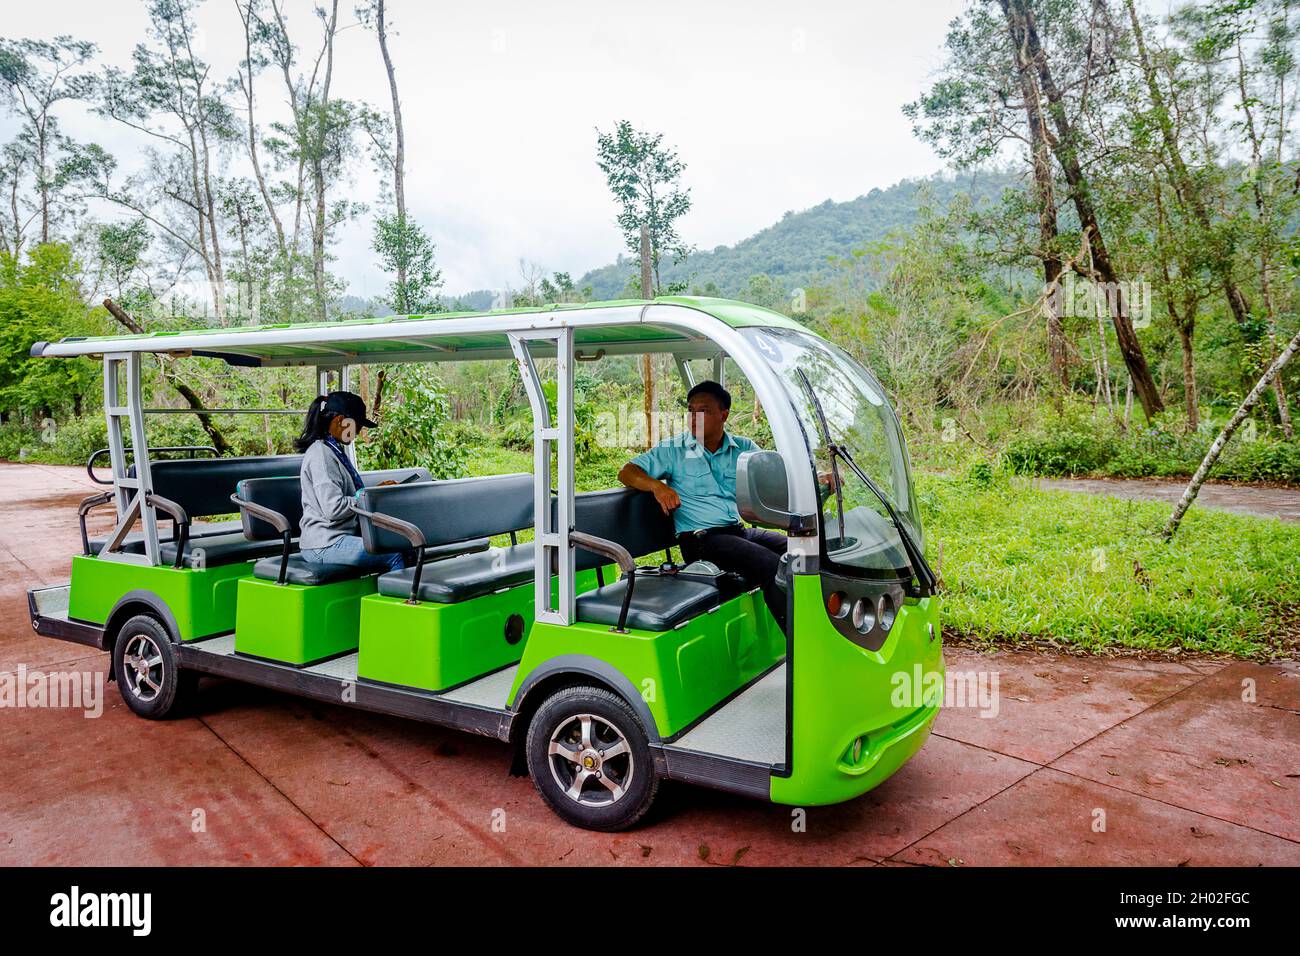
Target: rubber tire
[177,685]
[559,708]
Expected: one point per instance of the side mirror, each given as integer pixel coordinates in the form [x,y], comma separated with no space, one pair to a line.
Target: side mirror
[763,493]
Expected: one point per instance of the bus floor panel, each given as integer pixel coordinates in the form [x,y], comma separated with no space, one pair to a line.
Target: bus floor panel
[750,727]
[491,690]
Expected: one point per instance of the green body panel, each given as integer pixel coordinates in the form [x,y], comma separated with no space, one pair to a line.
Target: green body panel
[298,624]
[843,691]
[435,646]
[201,601]
[679,674]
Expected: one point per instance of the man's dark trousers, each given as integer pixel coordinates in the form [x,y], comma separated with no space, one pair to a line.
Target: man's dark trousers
[751,552]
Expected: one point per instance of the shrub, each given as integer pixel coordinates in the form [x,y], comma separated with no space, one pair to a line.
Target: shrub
[1062,453]
[414,427]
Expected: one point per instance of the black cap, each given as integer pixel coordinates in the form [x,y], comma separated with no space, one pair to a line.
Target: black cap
[349,406]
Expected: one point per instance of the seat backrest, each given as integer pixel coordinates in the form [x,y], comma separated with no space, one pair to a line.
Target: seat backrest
[449,511]
[203,486]
[632,518]
[285,496]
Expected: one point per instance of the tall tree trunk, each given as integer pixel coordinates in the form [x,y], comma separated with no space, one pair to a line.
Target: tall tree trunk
[1045,203]
[318,168]
[1216,449]
[399,154]
[1064,148]
[1184,323]
[246,14]
[1184,187]
[1191,400]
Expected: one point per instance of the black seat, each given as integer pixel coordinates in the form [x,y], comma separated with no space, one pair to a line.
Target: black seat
[466,577]
[634,520]
[442,513]
[281,496]
[198,529]
[300,571]
[659,602]
[452,510]
[201,487]
[217,549]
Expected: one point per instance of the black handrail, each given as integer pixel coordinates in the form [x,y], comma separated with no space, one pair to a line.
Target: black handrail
[90,462]
[407,530]
[621,556]
[277,521]
[94,501]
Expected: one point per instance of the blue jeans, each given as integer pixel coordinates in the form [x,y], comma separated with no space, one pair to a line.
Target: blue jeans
[351,552]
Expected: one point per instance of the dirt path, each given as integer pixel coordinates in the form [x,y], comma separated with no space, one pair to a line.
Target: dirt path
[1283,503]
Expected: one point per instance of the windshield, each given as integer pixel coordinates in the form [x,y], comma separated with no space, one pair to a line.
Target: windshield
[856,527]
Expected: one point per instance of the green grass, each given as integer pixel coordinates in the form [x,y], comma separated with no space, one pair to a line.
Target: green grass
[1020,563]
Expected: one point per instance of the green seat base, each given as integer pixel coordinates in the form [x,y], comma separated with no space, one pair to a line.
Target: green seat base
[433,646]
[679,673]
[298,624]
[436,646]
[202,601]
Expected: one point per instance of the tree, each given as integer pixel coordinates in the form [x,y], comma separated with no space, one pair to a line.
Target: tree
[1276,367]
[39,301]
[35,76]
[644,177]
[169,95]
[407,252]
[1057,57]
[1092,62]
[255,36]
[989,96]
[405,249]
[318,144]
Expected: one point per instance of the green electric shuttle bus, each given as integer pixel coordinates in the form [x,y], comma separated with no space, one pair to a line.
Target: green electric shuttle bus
[607,675]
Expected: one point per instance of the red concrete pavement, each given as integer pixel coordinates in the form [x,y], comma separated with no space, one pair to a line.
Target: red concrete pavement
[1086,761]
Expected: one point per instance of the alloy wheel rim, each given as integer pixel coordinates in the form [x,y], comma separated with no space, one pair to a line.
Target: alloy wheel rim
[590,760]
[142,664]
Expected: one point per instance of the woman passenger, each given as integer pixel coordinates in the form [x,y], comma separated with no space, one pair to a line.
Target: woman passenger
[329,484]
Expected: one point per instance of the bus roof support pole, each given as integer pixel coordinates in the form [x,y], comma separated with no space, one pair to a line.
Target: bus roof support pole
[553,551]
[116,445]
[140,445]
[686,372]
[132,493]
[720,369]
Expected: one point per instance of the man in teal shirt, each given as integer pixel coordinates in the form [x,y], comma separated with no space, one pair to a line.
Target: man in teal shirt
[693,477]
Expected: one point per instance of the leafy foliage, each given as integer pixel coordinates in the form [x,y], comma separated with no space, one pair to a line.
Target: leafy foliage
[405,249]
[413,430]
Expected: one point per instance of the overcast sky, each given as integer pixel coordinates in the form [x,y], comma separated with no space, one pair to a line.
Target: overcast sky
[774,106]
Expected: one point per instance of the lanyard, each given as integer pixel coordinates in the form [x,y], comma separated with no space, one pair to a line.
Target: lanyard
[343,458]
